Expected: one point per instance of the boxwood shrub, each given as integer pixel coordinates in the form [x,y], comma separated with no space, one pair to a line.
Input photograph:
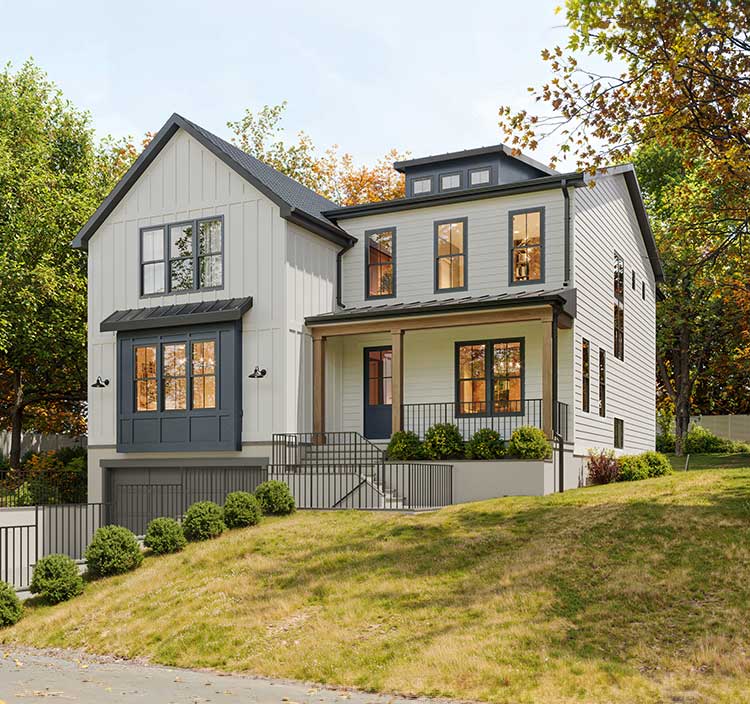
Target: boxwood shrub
[113,550]
[10,605]
[275,498]
[657,463]
[56,578]
[241,509]
[485,444]
[528,443]
[443,441]
[203,520]
[632,468]
[405,445]
[164,535]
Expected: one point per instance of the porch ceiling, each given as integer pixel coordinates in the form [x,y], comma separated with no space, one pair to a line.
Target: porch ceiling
[447,308]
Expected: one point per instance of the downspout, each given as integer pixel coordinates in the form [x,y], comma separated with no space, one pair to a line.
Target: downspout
[566,229]
[340,254]
[555,411]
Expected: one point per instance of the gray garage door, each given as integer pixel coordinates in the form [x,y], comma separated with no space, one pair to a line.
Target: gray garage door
[139,494]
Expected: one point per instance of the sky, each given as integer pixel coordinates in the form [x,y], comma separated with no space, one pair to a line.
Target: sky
[423,77]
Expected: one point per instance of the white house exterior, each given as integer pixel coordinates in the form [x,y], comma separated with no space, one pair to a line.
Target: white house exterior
[228,303]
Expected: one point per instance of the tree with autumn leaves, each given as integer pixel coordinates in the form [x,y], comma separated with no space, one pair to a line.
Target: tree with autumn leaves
[675,98]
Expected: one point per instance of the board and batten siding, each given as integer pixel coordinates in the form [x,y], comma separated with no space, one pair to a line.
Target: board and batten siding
[487,244]
[187,181]
[605,223]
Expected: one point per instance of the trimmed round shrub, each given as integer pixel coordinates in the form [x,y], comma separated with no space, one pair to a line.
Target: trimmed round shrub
[113,550]
[701,441]
[203,520]
[10,605]
[657,463]
[56,578]
[485,444]
[527,443]
[164,535]
[275,498]
[443,441]
[632,468]
[241,509]
[404,445]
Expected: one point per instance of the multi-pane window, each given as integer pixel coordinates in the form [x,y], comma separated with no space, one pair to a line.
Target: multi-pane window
[619,306]
[450,255]
[203,374]
[174,376]
[489,377]
[479,177]
[420,186]
[152,261]
[379,377]
[145,378]
[381,246]
[450,181]
[602,383]
[526,246]
[619,433]
[585,375]
[182,256]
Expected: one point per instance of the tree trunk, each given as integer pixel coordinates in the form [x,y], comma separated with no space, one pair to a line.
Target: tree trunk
[16,419]
[683,390]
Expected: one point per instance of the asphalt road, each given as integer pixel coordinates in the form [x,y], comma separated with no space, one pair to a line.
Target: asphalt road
[30,675]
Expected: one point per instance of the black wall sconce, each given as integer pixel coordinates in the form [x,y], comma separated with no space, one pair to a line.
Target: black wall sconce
[100,383]
[258,373]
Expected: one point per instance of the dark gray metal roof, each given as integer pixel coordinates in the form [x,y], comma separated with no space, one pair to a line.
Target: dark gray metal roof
[177,314]
[565,297]
[479,151]
[296,202]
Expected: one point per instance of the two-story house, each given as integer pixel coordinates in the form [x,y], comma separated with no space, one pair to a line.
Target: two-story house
[228,303]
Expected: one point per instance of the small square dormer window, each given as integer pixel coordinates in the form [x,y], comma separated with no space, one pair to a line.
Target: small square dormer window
[421,186]
[449,182]
[479,177]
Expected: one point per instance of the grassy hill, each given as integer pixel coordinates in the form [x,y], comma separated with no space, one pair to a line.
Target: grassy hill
[627,593]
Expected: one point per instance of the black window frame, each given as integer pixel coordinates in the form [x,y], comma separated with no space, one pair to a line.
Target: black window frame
[450,189]
[477,169]
[618,307]
[542,246]
[619,433]
[585,375]
[602,382]
[489,377]
[195,256]
[643,290]
[465,253]
[368,264]
[429,178]
[632,285]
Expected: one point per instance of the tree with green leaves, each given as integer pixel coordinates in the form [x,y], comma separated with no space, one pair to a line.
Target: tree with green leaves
[53,175]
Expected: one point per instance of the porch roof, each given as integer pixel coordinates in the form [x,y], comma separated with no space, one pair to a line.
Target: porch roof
[565,298]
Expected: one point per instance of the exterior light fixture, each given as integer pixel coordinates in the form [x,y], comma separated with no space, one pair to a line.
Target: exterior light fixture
[100,383]
[258,373]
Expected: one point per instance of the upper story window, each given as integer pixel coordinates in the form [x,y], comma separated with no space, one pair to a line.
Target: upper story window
[585,375]
[450,255]
[527,246]
[381,263]
[420,186]
[643,290]
[479,177]
[448,182]
[619,306]
[602,383]
[632,283]
[182,257]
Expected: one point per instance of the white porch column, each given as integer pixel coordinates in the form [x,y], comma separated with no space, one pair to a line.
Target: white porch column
[547,409]
[397,378]
[319,384]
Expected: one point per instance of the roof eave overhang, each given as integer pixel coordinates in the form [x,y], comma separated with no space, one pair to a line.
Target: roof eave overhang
[545,183]
[332,233]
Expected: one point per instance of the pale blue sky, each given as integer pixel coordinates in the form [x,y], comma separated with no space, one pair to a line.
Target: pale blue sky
[420,76]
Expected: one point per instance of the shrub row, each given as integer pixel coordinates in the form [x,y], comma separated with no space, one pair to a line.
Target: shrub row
[700,441]
[115,550]
[444,441]
[604,467]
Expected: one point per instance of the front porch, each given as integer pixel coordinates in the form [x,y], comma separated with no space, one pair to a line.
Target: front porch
[476,368]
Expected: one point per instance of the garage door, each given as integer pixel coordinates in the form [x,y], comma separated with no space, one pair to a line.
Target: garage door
[139,494]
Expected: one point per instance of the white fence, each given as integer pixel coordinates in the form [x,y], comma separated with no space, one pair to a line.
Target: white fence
[40,442]
[731,427]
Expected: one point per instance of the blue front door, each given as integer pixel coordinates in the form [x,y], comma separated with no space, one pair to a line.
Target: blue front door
[377,377]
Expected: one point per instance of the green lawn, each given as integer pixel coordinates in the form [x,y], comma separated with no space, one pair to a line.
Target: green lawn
[632,593]
[718,461]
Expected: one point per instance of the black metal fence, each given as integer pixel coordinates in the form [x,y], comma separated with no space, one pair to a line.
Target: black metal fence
[18,553]
[19,490]
[323,449]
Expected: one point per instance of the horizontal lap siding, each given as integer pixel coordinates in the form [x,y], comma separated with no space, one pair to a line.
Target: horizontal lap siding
[186,181]
[488,257]
[605,223]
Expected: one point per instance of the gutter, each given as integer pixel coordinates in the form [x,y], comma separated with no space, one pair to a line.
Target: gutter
[339,256]
[566,226]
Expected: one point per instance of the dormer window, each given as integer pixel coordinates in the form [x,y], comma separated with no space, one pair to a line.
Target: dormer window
[479,177]
[421,186]
[449,182]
